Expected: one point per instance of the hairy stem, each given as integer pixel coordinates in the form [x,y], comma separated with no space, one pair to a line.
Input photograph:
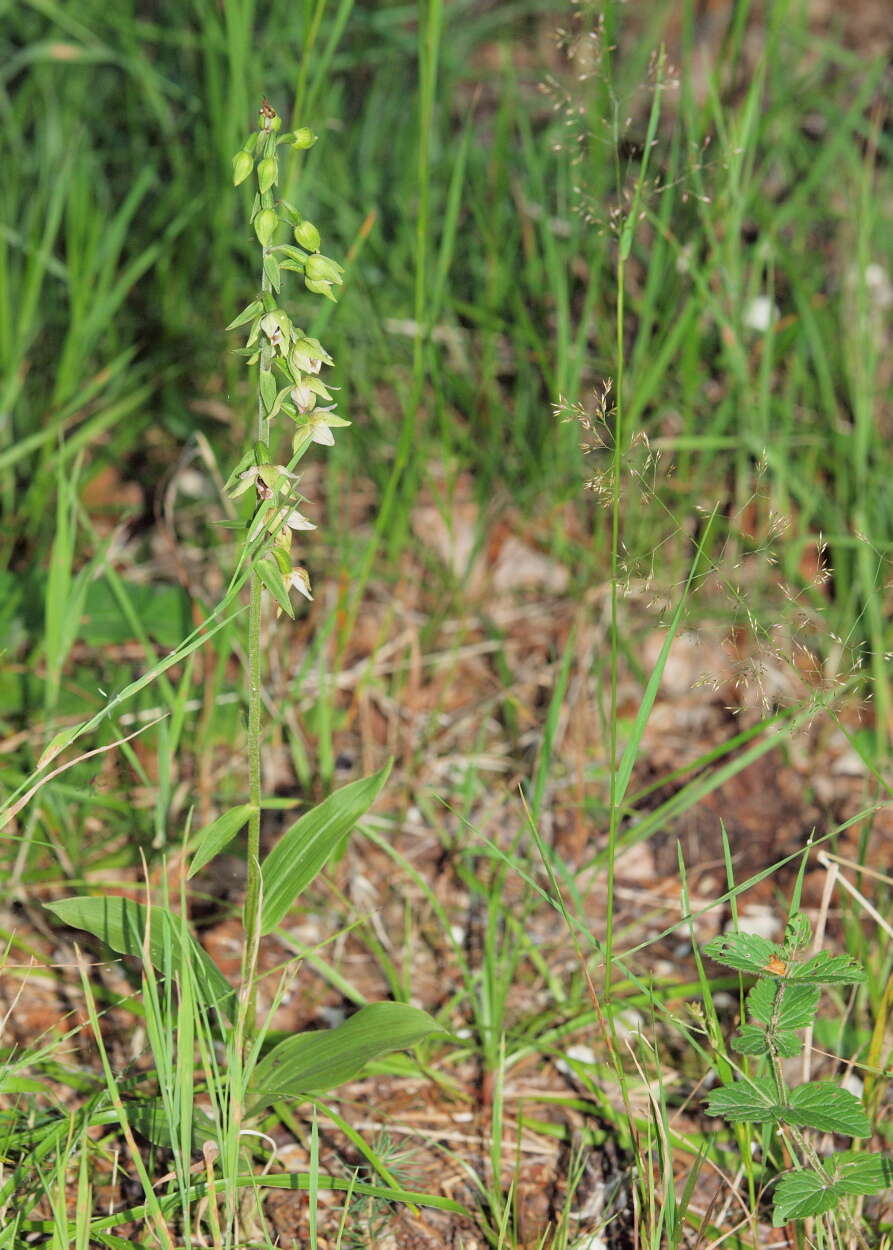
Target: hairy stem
[251,914]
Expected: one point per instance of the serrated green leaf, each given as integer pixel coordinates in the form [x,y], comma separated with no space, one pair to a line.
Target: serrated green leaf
[799,1004]
[825,1106]
[804,1193]
[787,1043]
[797,933]
[761,1000]
[857,1172]
[304,849]
[254,309]
[121,924]
[312,1063]
[801,1194]
[148,1117]
[827,969]
[747,952]
[270,574]
[750,1040]
[753,1101]
[214,837]
[267,389]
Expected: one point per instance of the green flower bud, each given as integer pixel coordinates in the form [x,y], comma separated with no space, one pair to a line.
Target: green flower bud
[307,235]
[267,173]
[243,163]
[304,138]
[321,269]
[265,224]
[320,288]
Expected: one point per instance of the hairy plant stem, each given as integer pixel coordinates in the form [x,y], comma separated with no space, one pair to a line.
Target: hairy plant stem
[251,914]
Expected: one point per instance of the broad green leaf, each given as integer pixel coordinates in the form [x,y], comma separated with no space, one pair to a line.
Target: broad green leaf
[804,1193]
[827,969]
[745,951]
[787,1043]
[857,1172]
[304,849]
[753,1101]
[827,1107]
[311,1063]
[121,924]
[211,840]
[801,1194]
[761,1000]
[793,1006]
[799,1005]
[751,1040]
[148,1117]
[253,310]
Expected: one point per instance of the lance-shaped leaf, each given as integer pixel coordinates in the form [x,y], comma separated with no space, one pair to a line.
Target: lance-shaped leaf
[304,849]
[827,1107]
[211,840]
[311,1063]
[121,923]
[270,574]
[801,1194]
[149,1117]
[255,309]
[267,389]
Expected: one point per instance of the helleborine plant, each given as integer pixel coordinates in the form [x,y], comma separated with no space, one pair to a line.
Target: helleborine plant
[290,391]
[784,1000]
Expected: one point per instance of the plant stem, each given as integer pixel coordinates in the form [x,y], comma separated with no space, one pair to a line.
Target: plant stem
[251,915]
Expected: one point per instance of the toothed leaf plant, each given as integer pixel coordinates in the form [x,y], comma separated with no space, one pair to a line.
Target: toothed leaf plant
[783,1000]
[287,365]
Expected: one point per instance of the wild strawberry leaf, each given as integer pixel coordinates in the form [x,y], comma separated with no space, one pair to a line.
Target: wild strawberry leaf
[827,969]
[753,1101]
[825,1106]
[745,951]
[751,1040]
[761,1000]
[787,1043]
[804,1193]
[799,1004]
